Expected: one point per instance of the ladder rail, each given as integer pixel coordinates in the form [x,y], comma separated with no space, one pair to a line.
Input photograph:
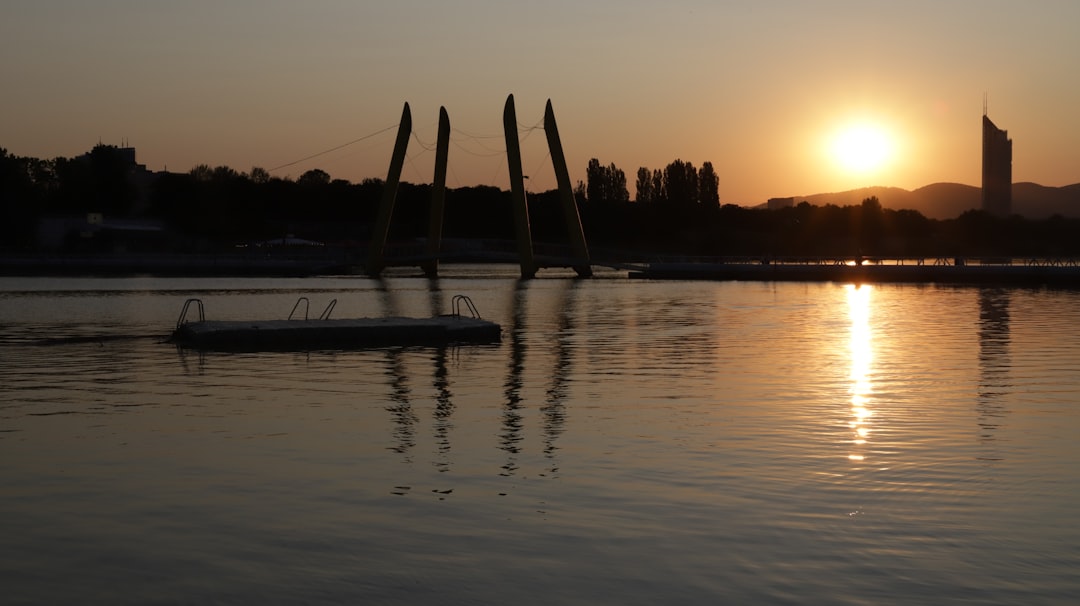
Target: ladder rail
[184,311]
[325,315]
[307,304]
[462,300]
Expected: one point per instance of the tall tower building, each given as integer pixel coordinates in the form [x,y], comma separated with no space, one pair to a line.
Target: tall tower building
[996,169]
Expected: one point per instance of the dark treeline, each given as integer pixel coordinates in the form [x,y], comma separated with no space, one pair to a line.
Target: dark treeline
[676,210]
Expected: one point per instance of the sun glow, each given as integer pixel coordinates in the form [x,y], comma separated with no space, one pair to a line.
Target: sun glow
[861,148]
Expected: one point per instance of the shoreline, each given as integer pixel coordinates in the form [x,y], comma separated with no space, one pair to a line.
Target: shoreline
[1063,273]
[990,274]
[170,265]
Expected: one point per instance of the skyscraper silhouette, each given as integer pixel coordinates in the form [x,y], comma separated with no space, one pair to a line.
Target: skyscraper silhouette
[996,169]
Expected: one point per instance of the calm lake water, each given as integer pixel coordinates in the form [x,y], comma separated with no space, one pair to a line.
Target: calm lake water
[628,442]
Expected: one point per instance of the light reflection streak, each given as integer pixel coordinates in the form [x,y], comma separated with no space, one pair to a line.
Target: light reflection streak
[862,356]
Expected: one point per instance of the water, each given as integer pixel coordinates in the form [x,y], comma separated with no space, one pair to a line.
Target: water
[629,442]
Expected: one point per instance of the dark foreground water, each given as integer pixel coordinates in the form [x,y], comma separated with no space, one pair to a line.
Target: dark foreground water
[629,442]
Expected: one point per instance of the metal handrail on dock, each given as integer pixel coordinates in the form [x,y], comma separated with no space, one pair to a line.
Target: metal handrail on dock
[325,315]
[307,304]
[183,312]
[458,301]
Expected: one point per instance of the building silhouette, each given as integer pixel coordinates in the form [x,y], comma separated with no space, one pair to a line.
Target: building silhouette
[778,203]
[996,169]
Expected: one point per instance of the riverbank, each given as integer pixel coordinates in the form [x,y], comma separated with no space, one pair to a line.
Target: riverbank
[1028,274]
[173,265]
[1059,273]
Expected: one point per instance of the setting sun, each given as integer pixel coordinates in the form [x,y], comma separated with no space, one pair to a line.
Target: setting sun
[861,148]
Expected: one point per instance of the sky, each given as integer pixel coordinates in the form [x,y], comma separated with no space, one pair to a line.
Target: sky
[761,89]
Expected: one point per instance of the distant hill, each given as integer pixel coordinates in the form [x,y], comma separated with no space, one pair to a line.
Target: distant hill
[949,200]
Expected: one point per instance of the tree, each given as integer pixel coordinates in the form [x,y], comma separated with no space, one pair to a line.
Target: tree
[594,177]
[314,177]
[618,191]
[871,225]
[605,183]
[708,186]
[681,183]
[201,172]
[224,174]
[644,186]
[659,191]
[21,190]
[259,175]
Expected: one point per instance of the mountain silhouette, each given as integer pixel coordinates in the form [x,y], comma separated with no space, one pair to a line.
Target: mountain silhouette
[950,200]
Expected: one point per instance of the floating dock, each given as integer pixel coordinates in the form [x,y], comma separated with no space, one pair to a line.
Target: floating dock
[326,333]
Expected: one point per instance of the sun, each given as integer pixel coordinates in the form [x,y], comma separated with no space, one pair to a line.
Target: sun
[861,148]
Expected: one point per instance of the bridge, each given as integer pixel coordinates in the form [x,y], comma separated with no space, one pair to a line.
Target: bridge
[526,256]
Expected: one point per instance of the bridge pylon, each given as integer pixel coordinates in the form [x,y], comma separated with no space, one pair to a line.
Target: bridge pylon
[376,260]
[582,263]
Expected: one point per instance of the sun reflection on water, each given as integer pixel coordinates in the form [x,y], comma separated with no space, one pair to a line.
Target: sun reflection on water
[862,356]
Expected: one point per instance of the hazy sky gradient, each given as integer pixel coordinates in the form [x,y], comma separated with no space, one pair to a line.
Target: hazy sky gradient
[754,87]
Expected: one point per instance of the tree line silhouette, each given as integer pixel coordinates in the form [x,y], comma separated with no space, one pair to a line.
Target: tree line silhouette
[676,211]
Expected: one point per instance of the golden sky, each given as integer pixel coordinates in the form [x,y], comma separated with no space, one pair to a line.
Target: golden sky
[761,89]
